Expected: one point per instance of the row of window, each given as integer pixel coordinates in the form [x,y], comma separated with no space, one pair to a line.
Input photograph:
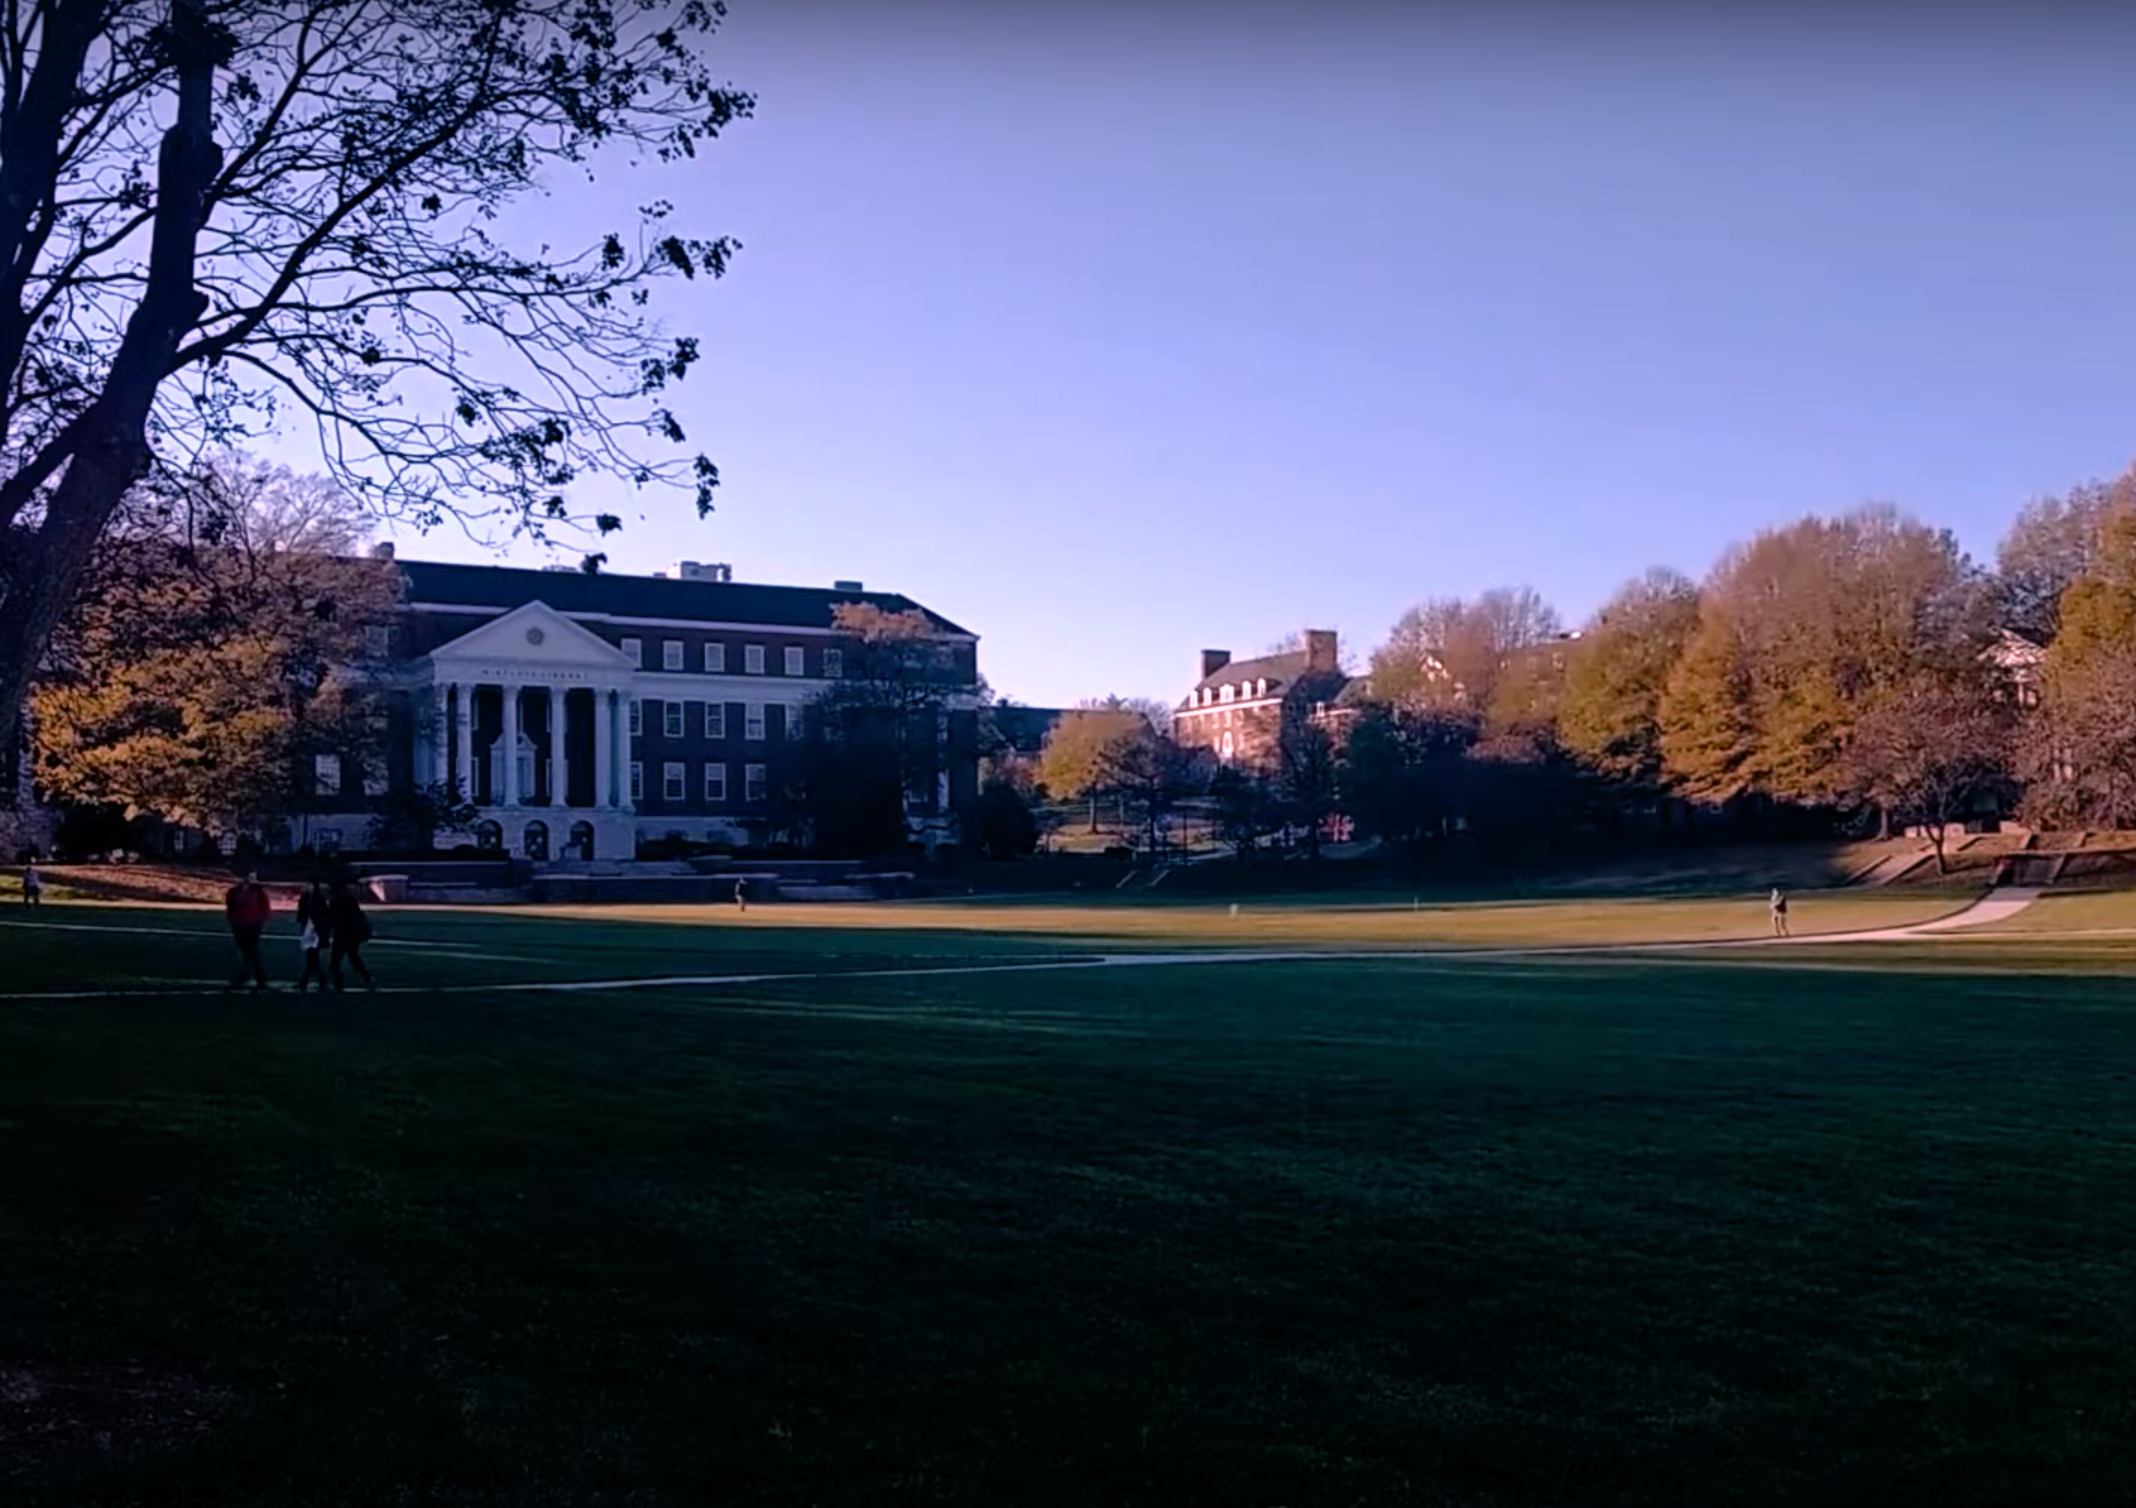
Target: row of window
[673,656]
[1243,691]
[674,714]
[675,782]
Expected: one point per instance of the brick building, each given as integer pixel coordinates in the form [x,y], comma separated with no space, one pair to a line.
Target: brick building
[1236,710]
[582,713]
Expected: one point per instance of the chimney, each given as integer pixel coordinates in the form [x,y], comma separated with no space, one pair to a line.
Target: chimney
[383,550]
[691,570]
[1214,660]
[1320,650]
[847,586]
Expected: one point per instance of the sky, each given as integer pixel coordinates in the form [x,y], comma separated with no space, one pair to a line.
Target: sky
[1116,331]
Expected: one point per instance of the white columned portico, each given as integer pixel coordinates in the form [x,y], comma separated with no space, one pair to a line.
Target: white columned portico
[463,723]
[604,748]
[530,653]
[559,780]
[508,794]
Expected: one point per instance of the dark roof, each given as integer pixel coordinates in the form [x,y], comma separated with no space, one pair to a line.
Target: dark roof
[1025,728]
[572,592]
[1281,670]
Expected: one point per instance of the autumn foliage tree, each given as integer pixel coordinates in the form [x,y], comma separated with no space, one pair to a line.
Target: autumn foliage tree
[224,643]
[1611,711]
[1800,632]
[215,215]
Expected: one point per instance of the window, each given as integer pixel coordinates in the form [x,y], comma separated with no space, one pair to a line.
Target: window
[637,718]
[753,722]
[833,664]
[796,660]
[753,659]
[1226,695]
[326,774]
[715,659]
[1260,687]
[375,781]
[715,719]
[715,784]
[671,777]
[753,784]
[671,719]
[671,654]
[637,781]
[634,651]
[378,641]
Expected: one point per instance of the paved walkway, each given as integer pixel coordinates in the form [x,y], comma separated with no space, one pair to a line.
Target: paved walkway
[1997,905]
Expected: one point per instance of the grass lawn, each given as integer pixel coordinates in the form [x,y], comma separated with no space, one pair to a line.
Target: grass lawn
[1844,1223]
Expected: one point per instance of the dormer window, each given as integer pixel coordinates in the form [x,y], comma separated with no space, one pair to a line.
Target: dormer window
[1226,696]
[1261,686]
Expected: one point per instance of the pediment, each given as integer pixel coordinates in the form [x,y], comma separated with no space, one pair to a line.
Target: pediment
[533,634]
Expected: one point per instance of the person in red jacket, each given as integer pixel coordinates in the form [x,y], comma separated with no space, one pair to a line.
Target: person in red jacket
[248,908]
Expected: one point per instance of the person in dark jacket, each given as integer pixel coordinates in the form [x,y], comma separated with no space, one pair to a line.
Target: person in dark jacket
[315,925]
[247,906]
[351,930]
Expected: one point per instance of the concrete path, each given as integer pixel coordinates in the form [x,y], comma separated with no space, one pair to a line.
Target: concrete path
[1996,905]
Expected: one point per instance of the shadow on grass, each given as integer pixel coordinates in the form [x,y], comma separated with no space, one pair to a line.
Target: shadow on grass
[1462,1233]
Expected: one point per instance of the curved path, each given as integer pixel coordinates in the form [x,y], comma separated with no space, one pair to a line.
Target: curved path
[1997,905]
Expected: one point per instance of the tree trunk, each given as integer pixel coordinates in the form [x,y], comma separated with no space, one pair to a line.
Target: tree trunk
[1883,823]
[111,450]
[1935,837]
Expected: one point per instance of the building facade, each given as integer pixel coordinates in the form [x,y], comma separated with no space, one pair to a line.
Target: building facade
[1237,709]
[584,713]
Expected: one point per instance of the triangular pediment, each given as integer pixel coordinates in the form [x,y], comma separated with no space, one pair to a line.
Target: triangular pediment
[533,634]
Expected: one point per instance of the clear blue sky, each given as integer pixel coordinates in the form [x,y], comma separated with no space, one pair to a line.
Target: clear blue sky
[1115,331]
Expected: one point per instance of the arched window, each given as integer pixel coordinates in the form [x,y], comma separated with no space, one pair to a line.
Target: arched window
[488,836]
[1260,687]
[1226,694]
[581,844]
[535,842]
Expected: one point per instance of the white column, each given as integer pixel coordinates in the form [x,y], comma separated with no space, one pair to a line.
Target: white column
[942,761]
[441,736]
[510,745]
[559,778]
[623,800]
[463,722]
[604,748]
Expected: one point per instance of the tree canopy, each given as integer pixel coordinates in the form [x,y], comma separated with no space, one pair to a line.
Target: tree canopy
[218,655]
[217,216]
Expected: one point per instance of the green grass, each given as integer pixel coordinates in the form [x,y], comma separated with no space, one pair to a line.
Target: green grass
[1848,1223]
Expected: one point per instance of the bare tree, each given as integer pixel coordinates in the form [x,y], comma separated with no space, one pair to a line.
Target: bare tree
[215,214]
[1925,751]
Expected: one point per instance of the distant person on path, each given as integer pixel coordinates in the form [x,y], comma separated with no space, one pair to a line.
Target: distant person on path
[32,886]
[1779,912]
[315,923]
[741,895]
[248,907]
[351,930]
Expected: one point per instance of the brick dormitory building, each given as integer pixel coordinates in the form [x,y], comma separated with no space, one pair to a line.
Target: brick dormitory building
[584,713]
[1236,710]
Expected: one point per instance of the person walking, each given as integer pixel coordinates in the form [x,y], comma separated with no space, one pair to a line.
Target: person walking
[315,924]
[32,886]
[741,895]
[351,929]
[248,906]
[1779,905]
